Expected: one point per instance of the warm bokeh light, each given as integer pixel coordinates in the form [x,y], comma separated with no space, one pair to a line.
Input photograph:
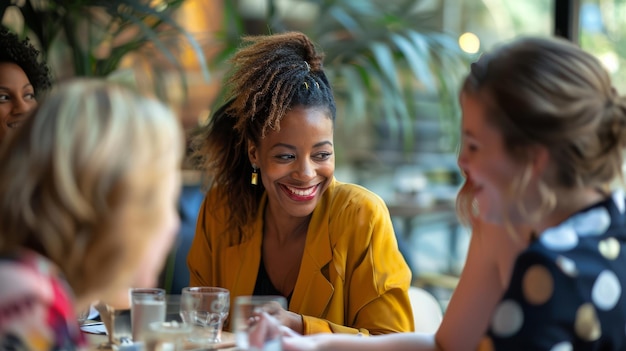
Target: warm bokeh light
[610,60]
[469,42]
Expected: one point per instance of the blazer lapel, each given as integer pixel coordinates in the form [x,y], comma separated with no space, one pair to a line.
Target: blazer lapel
[313,290]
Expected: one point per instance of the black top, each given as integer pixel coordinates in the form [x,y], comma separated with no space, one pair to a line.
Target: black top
[264,284]
[568,290]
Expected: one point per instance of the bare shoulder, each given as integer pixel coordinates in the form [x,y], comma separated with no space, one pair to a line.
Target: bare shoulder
[486,272]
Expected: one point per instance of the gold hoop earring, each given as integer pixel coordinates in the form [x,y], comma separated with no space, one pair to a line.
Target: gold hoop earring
[548,199]
[520,185]
[254,179]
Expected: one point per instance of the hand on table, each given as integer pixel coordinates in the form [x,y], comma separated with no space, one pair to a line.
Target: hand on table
[267,327]
[286,318]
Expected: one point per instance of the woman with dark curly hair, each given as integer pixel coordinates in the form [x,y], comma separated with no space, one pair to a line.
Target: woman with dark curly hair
[275,221]
[23,77]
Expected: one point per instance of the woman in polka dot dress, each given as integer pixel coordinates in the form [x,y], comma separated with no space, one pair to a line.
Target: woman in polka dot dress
[543,138]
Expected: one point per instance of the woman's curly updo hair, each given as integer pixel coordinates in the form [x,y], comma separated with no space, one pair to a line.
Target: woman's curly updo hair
[24,54]
[270,75]
[549,92]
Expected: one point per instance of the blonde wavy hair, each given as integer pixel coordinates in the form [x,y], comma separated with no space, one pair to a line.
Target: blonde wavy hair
[77,179]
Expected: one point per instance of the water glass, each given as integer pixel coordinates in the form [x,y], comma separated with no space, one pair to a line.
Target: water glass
[169,335]
[246,309]
[206,308]
[146,306]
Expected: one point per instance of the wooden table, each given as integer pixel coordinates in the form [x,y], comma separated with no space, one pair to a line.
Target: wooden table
[122,329]
[228,343]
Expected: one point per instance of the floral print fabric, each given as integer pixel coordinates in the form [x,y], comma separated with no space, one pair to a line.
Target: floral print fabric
[36,311]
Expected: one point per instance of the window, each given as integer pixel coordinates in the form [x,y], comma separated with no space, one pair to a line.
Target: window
[602,33]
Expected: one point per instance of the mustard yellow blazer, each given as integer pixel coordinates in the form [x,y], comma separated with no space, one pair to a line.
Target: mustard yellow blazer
[352,276]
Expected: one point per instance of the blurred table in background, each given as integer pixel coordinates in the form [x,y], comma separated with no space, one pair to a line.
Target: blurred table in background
[417,226]
[411,214]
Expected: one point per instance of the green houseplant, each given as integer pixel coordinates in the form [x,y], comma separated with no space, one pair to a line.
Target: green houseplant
[93,37]
[389,61]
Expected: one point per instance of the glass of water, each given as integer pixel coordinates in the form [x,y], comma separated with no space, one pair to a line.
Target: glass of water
[206,309]
[246,312]
[147,306]
[169,335]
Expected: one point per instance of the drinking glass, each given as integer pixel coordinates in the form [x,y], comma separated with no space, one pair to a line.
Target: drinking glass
[168,335]
[246,309]
[206,308]
[147,305]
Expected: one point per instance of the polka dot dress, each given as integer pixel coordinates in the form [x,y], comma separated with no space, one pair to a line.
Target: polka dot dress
[566,292]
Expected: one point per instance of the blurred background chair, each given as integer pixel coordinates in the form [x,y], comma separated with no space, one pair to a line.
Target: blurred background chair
[427,312]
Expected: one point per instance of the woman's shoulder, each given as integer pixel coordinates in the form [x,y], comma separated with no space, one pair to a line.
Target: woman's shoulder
[32,283]
[215,195]
[352,207]
[586,245]
[29,273]
[350,194]
[37,299]
[594,232]
[215,203]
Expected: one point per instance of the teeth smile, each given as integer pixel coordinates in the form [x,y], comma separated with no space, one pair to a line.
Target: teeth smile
[13,124]
[301,192]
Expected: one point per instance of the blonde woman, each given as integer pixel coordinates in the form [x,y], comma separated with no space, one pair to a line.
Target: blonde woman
[88,191]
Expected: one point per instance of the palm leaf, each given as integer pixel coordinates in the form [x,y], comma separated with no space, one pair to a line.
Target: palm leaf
[84,27]
[415,55]
[384,58]
[165,17]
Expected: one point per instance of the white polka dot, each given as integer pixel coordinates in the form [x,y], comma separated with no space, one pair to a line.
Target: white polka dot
[507,319]
[563,346]
[606,290]
[593,222]
[567,265]
[561,238]
[618,199]
[609,248]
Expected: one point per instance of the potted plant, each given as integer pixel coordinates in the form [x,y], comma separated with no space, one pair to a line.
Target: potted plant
[94,37]
[390,62]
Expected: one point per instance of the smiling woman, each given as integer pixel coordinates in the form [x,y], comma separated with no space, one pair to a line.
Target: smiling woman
[275,221]
[22,78]
[542,152]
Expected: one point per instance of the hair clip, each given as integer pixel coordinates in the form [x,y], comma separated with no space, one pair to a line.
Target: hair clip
[308,68]
[306,85]
[317,85]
